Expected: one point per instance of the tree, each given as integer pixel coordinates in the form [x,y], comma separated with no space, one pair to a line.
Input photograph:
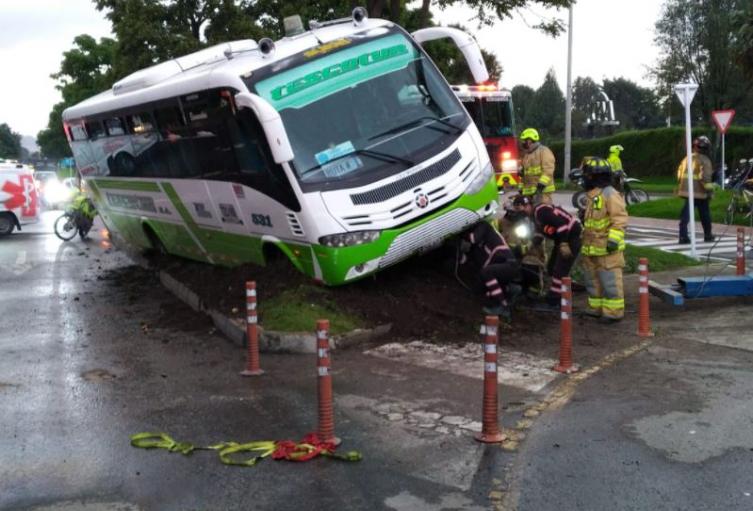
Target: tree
[635,107]
[10,143]
[697,41]
[547,113]
[586,97]
[743,21]
[522,101]
[86,70]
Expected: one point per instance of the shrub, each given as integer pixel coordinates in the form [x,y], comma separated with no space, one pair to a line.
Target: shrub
[657,152]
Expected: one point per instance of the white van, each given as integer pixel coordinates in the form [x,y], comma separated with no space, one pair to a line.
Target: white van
[19,203]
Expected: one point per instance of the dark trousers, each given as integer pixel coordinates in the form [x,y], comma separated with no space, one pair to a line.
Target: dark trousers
[494,279]
[560,267]
[704,212]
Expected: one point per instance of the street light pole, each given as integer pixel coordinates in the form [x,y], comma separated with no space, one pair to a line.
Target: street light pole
[569,96]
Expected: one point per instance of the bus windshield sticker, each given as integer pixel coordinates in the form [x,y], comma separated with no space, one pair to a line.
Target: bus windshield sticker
[304,84]
[334,152]
[342,166]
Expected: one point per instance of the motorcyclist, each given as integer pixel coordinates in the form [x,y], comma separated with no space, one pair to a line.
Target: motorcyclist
[615,163]
[84,209]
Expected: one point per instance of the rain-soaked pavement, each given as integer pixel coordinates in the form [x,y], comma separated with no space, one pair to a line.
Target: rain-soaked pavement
[92,350]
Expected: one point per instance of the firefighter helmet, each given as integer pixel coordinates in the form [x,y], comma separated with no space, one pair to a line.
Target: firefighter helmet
[702,142]
[593,166]
[529,134]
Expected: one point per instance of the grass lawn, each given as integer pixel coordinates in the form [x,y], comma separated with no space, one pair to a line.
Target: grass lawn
[658,260]
[664,184]
[670,208]
[297,310]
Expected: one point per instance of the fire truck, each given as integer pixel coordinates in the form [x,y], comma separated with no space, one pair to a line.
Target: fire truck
[490,107]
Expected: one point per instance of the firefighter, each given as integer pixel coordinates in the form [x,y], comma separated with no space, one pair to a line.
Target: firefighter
[556,224]
[497,267]
[604,222]
[518,230]
[703,188]
[537,167]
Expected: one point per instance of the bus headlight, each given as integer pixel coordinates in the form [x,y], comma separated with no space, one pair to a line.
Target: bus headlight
[478,183]
[348,239]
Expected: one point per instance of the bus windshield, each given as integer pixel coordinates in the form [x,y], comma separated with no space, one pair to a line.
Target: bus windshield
[492,115]
[374,107]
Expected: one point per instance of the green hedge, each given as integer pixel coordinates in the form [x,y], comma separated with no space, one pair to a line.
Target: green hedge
[657,152]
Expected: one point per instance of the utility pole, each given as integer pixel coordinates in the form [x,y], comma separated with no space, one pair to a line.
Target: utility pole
[569,97]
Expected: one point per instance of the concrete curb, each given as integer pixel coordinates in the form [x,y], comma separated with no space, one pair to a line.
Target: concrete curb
[269,341]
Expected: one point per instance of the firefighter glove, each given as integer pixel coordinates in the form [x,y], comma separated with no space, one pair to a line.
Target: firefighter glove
[612,246]
[565,251]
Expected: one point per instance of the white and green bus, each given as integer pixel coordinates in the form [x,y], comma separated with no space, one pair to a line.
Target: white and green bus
[342,148]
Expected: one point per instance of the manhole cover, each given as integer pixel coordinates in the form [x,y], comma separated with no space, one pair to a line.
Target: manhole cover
[97,375]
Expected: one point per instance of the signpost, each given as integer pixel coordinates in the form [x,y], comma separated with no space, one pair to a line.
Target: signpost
[722,119]
[685,92]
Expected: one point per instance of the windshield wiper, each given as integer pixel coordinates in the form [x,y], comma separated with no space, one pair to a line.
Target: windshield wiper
[414,122]
[377,155]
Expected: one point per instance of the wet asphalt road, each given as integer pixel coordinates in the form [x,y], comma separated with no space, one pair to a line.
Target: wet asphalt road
[93,350]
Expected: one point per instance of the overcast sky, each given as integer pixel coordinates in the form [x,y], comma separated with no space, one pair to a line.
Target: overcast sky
[612,38]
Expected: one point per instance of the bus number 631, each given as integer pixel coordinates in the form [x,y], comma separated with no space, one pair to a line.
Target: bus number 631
[261,220]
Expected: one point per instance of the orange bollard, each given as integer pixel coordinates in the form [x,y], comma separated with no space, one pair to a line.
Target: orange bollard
[252,333]
[644,318]
[490,432]
[326,429]
[566,329]
[740,251]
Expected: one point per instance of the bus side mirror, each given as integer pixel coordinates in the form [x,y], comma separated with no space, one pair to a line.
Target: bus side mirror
[465,42]
[271,123]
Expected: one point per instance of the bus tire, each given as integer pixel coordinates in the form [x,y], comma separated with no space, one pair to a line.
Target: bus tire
[7,224]
[157,247]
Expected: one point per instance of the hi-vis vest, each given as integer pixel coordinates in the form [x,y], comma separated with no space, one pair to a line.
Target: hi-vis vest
[699,162]
[538,167]
[614,162]
[605,219]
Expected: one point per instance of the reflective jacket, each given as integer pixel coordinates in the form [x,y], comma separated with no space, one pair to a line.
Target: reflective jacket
[605,219]
[615,162]
[82,204]
[538,167]
[488,246]
[555,223]
[702,173]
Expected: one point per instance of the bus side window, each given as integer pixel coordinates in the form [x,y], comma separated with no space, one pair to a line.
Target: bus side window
[175,144]
[114,127]
[145,143]
[258,169]
[95,130]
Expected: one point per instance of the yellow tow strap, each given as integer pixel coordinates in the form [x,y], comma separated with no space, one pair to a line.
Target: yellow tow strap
[228,450]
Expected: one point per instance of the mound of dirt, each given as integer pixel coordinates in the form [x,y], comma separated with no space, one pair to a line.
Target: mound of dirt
[421,297]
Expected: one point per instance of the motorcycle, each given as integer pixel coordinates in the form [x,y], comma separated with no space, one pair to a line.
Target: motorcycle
[632,194]
[75,221]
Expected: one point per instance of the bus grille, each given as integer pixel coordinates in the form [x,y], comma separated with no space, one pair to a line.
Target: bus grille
[388,191]
[427,236]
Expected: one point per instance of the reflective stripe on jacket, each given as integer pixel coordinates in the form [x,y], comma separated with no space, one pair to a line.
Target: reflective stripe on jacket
[605,219]
[702,173]
[538,167]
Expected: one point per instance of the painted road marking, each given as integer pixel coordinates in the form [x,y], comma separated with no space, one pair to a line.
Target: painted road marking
[516,369]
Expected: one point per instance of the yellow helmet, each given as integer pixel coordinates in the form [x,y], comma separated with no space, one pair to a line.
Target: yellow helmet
[616,149]
[529,134]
